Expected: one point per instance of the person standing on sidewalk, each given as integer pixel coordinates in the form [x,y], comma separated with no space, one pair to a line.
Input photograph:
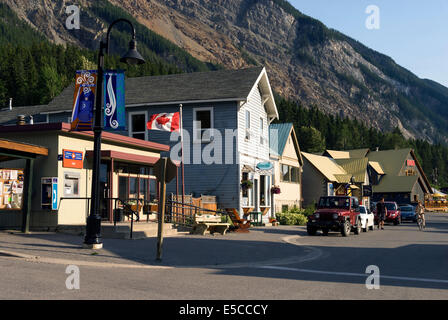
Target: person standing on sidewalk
[381,211]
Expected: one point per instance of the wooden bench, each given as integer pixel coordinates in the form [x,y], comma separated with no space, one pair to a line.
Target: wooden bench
[241,225]
[211,223]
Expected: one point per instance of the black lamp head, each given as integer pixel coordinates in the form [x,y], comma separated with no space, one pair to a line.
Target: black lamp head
[132,57]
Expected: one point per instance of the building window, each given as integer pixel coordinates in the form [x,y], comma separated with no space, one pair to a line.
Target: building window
[41,118]
[202,124]
[295,174]
[247,137]
[247,194]
[285,172]
[137,187]
[137,125]
[290,174]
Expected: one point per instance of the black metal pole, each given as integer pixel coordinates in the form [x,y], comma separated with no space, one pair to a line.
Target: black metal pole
[93,228]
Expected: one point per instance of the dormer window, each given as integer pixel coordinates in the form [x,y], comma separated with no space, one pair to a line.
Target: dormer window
[202,123]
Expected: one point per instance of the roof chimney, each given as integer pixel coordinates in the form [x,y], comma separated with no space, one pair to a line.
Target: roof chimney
[10,103]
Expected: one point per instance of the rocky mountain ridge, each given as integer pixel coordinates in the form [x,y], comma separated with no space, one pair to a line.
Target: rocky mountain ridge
[306,61]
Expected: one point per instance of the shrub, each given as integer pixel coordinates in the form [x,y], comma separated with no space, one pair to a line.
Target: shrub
[309,210]
[290,218]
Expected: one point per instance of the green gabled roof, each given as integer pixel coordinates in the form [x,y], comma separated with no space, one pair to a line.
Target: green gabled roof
[343,178]
[359,153]
[395,184]
[278,136]
[391,160]
[355,167]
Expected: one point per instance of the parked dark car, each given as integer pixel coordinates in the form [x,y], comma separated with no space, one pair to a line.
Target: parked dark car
[408,213]
[335,213]
[393,213]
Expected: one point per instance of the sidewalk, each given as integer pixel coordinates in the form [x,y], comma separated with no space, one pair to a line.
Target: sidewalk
[262,244]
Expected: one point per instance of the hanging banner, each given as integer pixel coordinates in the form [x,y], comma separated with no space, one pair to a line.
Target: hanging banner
[114,104]
[84,99]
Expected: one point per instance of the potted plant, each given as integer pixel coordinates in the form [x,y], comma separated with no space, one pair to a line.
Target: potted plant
[275,190]
[246,184]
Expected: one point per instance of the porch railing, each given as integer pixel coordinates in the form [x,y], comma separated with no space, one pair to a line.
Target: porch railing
[184,214]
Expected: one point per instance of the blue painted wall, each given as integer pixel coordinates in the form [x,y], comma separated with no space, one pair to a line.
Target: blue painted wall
[221,180]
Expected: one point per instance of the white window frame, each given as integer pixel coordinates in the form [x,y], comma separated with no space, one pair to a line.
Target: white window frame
[212,125]
[130,131]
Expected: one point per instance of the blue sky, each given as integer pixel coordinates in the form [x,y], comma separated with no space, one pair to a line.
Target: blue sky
[412,32]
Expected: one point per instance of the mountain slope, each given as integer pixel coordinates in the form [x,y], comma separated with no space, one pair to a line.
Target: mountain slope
[306,61]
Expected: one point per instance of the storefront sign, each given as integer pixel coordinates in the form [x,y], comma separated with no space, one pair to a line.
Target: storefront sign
[83,100]
[114,113]
[367,191]
[264,165]
[72,159]
[410,163]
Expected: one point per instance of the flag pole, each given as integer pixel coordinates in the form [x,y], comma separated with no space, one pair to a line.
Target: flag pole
[182,156]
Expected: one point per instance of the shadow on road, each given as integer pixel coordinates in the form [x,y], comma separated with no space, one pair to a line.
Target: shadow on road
[252,251]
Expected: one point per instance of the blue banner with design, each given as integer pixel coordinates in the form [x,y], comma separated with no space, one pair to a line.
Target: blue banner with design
[84,100]
[114,104]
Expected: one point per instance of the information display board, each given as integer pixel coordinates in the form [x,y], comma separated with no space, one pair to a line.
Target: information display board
[11,189]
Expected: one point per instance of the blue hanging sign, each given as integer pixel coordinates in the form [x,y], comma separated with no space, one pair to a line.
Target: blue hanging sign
[264,165]
[83,100]
[114,103]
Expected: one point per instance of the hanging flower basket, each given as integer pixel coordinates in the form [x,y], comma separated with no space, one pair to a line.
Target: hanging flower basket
[247,184]
[275,190]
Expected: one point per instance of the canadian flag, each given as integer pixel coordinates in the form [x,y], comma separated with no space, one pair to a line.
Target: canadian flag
[164,122]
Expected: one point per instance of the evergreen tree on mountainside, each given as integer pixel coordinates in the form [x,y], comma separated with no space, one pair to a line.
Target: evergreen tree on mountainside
[33,70]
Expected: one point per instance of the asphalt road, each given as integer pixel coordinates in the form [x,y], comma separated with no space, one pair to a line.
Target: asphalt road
[268,263]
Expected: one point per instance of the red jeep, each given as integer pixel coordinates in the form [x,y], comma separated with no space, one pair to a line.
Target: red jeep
[336,213]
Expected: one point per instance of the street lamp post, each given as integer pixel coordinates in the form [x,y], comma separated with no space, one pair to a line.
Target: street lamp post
[93,227]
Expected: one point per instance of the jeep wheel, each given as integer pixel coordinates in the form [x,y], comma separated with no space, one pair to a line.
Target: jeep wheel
[346,228]
[325,231]
[311,231]
[358,227]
